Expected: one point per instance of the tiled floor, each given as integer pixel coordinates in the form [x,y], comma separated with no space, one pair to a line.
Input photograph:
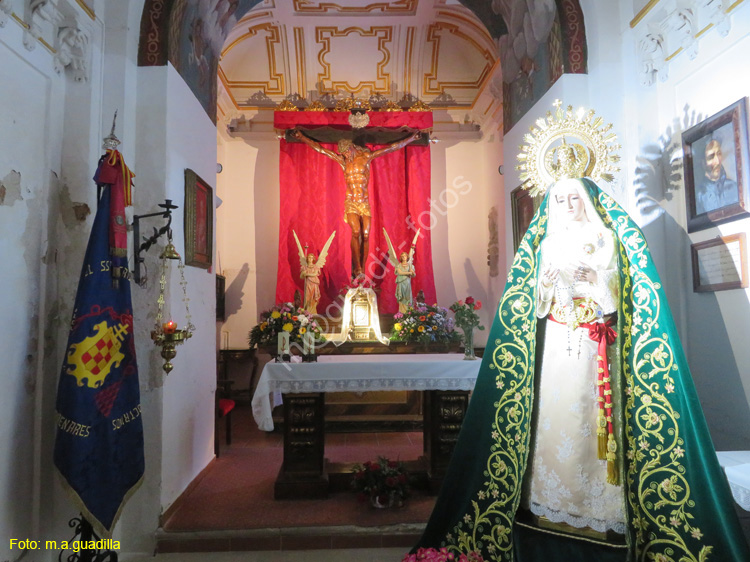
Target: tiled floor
[230,513]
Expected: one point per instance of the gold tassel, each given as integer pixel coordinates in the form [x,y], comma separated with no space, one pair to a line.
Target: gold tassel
[601,435]
[612,476]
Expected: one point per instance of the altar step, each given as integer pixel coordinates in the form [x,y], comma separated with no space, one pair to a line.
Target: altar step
[402,536]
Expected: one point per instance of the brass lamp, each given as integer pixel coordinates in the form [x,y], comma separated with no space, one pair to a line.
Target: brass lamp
[166,335]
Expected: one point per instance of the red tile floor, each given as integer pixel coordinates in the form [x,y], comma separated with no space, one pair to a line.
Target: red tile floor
[232,507]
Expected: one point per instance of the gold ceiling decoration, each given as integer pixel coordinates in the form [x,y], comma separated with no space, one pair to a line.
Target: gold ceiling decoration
[547,156]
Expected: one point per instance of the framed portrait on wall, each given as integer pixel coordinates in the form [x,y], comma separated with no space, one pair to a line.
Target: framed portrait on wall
[523,207]
[199,221]
[716,168]
[720,264]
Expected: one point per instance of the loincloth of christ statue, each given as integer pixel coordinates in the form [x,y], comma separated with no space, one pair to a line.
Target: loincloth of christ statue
[355,161]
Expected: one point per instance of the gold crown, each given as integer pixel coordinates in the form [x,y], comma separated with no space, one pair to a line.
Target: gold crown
[546,156]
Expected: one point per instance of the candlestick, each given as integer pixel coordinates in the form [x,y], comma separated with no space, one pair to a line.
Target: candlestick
[283,344]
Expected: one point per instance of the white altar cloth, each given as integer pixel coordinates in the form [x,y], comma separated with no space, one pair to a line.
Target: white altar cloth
[361,373]
[736,465]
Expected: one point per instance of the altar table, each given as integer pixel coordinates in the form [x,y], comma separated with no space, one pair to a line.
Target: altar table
[736,465]
[446,379]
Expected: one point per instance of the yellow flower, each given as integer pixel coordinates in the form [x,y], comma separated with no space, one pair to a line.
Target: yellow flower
[276,314]
[397,326]
[421,328]
[302,330]
[263,326]
[288,327]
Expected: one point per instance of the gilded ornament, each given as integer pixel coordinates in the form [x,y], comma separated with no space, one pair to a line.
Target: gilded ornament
[419,105]
[317,105]
[359,119]
[391,105]
[286,105]
[347,104]
[547,156]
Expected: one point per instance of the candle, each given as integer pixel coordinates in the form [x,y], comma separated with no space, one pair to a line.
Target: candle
[169,327]
[308,345]
[283,343]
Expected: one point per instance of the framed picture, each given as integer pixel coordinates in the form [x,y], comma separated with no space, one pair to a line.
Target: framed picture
[720,264]
[523,207]
[716,168]
[199,221]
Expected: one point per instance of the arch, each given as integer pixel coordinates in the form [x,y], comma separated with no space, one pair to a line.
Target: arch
[190,35]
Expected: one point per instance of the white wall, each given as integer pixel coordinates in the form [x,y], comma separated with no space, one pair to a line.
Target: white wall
[29,161]
[248,231]
[188,393]
[465,184]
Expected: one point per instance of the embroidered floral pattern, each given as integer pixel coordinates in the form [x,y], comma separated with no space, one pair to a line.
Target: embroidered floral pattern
[658,490]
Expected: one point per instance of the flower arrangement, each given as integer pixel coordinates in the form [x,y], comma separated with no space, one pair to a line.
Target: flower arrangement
[424,324]
[284,317]
[384,482]
[466,318]
[442,555]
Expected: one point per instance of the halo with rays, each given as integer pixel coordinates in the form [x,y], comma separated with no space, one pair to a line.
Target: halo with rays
[594,156]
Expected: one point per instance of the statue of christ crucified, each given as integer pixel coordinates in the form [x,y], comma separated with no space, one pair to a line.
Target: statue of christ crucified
[355,161]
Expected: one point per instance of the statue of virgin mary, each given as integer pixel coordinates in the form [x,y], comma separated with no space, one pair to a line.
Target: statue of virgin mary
[584,438]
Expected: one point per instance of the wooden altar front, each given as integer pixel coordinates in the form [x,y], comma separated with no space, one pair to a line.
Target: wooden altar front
[445,379]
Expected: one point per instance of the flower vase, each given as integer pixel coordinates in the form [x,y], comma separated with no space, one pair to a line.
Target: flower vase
[375,501]
[469,344]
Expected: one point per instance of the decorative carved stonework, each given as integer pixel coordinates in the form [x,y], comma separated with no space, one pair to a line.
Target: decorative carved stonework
[73,53]
[5,11]
[671,28]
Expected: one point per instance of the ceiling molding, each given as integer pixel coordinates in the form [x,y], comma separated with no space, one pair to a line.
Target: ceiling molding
[401,7]
[382,81]
[431,84]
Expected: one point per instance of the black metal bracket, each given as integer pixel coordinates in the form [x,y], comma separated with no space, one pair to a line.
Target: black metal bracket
[86,546]
[151,240]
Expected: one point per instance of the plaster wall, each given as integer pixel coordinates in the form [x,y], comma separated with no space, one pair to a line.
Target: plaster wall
[27,158]
[247,231]
[188,392]
[465,184]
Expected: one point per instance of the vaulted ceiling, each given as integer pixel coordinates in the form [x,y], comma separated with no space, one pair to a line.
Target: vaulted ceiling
[433,50]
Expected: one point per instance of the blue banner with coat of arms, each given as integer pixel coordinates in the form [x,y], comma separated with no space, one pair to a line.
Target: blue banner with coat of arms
[99,443]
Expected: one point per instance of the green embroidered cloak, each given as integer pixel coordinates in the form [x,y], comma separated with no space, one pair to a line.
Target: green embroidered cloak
[677,501]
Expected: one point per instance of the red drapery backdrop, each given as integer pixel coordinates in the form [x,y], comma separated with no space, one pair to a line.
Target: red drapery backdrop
[312,204]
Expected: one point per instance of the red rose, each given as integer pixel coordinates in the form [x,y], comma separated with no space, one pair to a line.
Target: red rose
[478,305]
[469,300]
[392,464]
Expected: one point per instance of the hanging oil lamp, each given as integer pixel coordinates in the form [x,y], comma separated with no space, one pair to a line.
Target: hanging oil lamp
[166,334]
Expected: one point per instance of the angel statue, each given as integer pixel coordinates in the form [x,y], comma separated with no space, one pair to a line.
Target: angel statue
[310,272]
[403,266]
